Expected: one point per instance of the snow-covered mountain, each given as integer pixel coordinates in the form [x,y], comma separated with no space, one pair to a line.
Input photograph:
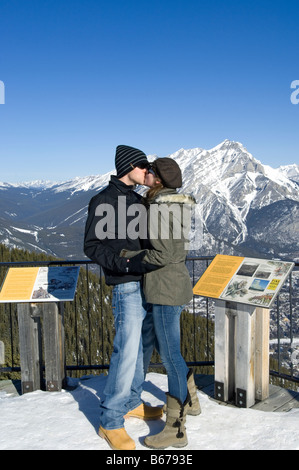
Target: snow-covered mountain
[241,200]
[291,171]
[246,207]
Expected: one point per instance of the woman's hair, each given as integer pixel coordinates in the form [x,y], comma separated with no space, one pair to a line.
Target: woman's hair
[152,192]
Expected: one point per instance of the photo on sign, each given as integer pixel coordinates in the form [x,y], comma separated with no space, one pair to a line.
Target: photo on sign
[263,272]
[280,268]
[237,288]
[55,283]
[259,285]
[247,269]
[263,300]
[41,293]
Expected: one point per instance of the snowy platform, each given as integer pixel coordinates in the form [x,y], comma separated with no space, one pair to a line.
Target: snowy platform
[280,399]
[69,419]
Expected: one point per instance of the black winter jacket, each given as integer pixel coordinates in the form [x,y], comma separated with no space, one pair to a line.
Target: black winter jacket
[108,216]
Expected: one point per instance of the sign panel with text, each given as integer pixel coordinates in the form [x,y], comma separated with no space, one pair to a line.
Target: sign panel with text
[45,284]
[250,281]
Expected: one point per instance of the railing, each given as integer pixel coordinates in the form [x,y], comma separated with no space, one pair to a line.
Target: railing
[88,321]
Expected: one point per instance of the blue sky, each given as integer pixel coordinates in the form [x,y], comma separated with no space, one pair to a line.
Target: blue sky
[82,76]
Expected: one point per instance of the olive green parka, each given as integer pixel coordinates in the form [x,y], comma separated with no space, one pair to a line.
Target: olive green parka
[169,219]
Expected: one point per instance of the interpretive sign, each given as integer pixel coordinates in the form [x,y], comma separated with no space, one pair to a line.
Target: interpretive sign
[45,284]
[249,281]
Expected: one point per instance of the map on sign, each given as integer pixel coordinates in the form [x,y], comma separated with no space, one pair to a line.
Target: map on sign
[45,284]
[250,281]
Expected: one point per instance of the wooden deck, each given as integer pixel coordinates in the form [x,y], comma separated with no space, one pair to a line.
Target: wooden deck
[280,399]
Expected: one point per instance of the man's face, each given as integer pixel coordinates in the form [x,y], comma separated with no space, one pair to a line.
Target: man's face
[138,174]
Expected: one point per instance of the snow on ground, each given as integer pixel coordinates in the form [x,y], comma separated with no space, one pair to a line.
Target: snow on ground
[69,420]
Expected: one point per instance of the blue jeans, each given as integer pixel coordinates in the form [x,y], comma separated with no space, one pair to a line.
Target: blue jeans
[126,374]
[166,322]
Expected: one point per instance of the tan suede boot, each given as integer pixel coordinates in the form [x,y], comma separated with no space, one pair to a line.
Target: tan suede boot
[193,407]
[145,412]
[174,433]
[118,439]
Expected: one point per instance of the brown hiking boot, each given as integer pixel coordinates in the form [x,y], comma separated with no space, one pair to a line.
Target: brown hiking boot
[145,412]
[118,439]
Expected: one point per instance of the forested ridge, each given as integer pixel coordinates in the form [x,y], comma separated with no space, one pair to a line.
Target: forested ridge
[88,320]
[89,326]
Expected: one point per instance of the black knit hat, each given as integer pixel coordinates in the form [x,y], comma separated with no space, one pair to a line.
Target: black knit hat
[169,172]
[126,158]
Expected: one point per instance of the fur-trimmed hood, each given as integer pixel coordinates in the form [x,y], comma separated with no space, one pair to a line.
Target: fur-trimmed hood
[172,198]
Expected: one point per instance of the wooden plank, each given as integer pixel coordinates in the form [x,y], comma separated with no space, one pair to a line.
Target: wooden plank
[290,405]
[53,330]
[224,352]
[231,312]
[262,335]
[279,400]
[2,353]
[245,356]
[30,347]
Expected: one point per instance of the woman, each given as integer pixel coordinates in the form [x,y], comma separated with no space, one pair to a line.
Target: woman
[168,289]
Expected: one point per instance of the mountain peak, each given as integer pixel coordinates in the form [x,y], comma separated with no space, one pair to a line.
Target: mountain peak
[229,144]
[290,171]
[233,191]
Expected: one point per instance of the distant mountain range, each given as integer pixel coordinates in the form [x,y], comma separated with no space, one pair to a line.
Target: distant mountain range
[247,208]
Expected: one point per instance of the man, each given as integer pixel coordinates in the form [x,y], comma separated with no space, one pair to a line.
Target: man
[106,234]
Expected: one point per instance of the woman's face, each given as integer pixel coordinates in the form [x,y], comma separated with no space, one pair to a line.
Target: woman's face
[150,179]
